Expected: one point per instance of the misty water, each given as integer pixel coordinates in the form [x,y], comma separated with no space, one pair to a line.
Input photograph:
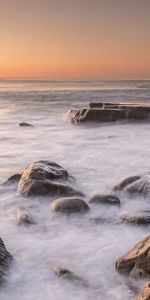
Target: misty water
[98,156]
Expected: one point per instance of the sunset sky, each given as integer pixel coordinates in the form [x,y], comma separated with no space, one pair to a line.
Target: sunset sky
[75,39]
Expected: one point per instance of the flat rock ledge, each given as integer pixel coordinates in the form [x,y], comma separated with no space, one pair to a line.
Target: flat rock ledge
[5,261]
[110,112]
[136,262]
[43,178]
[145,293]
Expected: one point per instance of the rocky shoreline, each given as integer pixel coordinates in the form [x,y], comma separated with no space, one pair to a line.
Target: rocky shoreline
[48,179]
[109,112]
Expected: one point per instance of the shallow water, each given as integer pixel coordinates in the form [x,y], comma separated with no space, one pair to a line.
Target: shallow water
[98,156]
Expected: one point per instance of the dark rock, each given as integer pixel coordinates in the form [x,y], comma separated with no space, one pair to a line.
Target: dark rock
[5,260]
[68,275]
[45,178]
[23,217]
[137,218]
[12,179]
[135,185]
[110,112]
[137,261]
[105,199]
[97,115]
[69,205]
[145,293]
[126,182]
[25,124]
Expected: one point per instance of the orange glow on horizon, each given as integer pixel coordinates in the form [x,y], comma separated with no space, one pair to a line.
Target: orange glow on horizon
[75,40]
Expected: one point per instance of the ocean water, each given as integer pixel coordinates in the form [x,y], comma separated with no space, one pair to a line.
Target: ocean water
[98,156]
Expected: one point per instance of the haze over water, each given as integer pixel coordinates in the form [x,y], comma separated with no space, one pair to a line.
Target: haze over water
[98,156]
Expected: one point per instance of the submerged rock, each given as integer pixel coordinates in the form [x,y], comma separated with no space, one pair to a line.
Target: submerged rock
[120,186]
[105,199]
[25,124]
[5,260]
[145,293]
[135,185]
[69,205]
[12,179]
[137,218]
[66,274]
[23,217]
[137,261]
[45,178]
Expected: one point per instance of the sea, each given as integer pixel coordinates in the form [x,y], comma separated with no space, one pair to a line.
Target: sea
[98,155]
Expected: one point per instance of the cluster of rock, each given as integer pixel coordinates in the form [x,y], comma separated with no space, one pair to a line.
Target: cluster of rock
[109,112]
[45,178]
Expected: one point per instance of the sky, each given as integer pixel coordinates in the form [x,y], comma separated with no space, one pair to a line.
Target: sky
[75,39]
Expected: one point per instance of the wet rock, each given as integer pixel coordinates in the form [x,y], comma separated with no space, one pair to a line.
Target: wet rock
[66,274]
[105,199]
[97,115]
[25,124]
[69,205]
[126,182]
[45,178]
[23,217]
[137,218]
[110,112]
[145,293]
[5,261]
[135,185]
[12,179]
[137,261]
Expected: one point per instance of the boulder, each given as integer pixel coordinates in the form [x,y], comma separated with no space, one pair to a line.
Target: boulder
[23,217]
[135,185]
[137,218]
[145,293]
[137,261]
[105,199]
[5,261]
[45,178]
[25,124]
[69,205]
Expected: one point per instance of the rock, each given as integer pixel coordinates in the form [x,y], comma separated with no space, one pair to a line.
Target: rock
[145,293]
[66,274]
[137,261]
[45,178]
[126,182]
[12,179]
[25,124]
[101,220]
[110,112]
[137,218]
[5,260]
[135,185]
[69,205]
[97,115]
[105,199]
[23,217]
